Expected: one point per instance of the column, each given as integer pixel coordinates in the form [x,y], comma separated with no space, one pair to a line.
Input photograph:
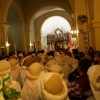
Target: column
[27,41]
[3,37]
[81,9]
[96,34]
[96,25]
[38,41]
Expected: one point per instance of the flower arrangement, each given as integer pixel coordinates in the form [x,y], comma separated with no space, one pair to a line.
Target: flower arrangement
[7,92]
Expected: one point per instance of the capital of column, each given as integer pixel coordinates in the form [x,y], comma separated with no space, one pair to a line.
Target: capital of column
[96,23]
[4,26]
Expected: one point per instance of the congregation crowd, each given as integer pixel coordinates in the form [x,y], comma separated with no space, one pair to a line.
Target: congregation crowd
[54,75]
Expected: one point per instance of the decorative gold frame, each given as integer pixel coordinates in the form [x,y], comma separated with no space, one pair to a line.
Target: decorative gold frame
[58,32]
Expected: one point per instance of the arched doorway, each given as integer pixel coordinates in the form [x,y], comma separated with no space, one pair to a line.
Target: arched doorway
[50,25]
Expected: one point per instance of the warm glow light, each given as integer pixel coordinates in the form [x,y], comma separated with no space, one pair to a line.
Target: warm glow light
[74,31]
[7,44]
[71,31]
[31,44]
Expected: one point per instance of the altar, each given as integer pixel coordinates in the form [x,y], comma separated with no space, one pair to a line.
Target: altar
[61,40]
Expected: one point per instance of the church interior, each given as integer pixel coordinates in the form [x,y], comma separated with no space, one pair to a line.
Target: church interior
[48,47]
[24,20]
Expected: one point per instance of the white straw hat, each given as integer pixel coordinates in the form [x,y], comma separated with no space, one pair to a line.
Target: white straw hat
[34,71]
[62,55]
[60,61]
[56,54]
[74,63]
[5,67]
[49,63]
[13,63]
[66,58]
[52,87]
[56,68]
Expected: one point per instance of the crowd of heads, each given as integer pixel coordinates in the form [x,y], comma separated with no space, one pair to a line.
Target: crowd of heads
[51,71]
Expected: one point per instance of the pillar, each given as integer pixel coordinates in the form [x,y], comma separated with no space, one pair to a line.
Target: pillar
[38,41]
[96,25]
[3,37]
[81,9]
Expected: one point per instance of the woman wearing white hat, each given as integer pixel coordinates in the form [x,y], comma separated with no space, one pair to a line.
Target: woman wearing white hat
[57,69]
[29,90]
[61,63]
[74,69]
[5,70]
[52,87]
[49,63]
[15,70]
[94,78]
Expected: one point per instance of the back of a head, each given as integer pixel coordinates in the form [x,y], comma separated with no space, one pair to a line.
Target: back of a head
[52,87]
[50,57]
[50,63]
[5,67]
[34,71]
[75,51]
[38,59]
[98,54]
[57,69]
[66,58]
[88,57]
[68,53]
[81,54]
[28,61]
[91,49]
[84,65]
[13,63]
[20,56]
[60,61]
[13,57]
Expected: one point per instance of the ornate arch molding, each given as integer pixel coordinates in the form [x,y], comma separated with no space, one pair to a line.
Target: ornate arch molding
[44,5]
[5,7]
[19,12]
[50,14]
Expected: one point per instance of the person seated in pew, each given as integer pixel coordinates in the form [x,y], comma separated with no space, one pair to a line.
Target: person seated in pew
[81,84]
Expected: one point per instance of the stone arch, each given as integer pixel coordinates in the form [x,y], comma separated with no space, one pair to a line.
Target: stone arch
[5,7]
[19,12]
[44,5]
[51,14]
